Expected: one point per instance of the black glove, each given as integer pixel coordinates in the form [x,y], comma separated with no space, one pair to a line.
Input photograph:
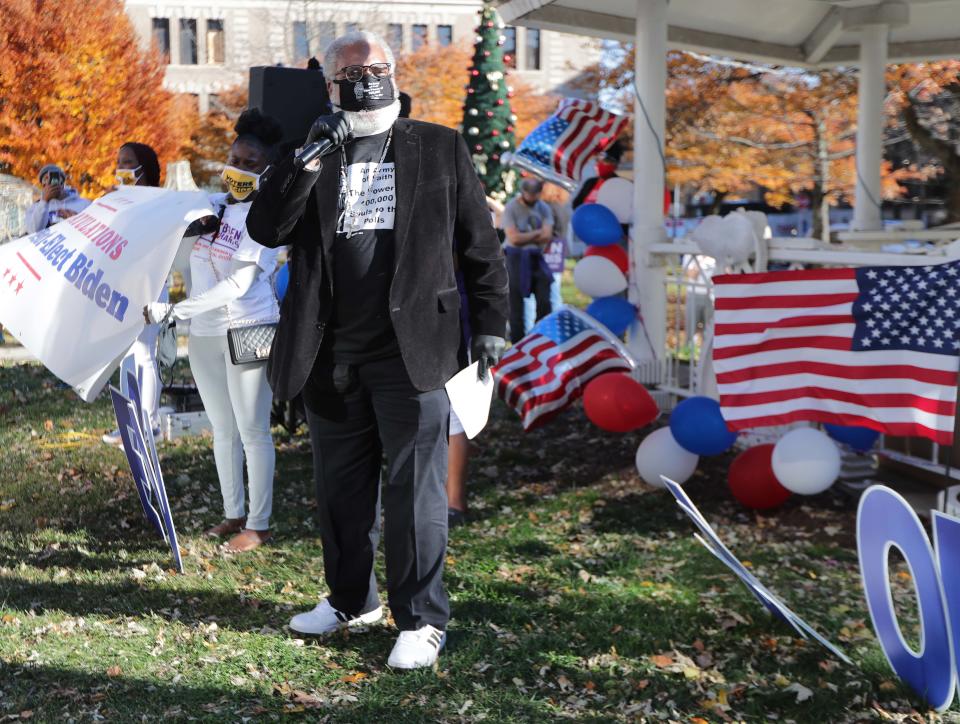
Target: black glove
[203,225]
[487,350]
[334,128]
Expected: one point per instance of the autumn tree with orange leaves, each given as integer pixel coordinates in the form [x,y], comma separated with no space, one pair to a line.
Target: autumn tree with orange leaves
[435,78]
[925,98]
[74,86]
[733,127]
[212,134]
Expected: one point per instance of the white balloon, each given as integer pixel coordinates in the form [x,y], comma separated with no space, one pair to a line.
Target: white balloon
[806,461]
[729,239]
[660,454]
[617,195]
[597,276]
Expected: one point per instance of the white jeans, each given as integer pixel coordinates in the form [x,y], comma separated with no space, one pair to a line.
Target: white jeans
[237,399]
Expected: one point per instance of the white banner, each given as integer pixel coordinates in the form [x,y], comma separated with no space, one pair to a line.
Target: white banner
[73,294]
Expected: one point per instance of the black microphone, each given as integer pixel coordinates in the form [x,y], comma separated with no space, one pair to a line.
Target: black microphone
[317,148]
[311,152]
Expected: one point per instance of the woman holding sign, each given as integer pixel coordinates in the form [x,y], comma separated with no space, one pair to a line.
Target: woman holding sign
[232,302]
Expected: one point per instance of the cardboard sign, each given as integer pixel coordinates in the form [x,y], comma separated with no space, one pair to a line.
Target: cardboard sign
[141,451]
[774,605]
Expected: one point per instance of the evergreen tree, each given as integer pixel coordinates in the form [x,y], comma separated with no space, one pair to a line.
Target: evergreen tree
[488,123]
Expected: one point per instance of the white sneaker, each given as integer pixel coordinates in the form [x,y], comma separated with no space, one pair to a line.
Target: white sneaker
[325,619]
[417,649]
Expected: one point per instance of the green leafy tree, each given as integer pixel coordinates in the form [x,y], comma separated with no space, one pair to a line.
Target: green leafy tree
[488,122]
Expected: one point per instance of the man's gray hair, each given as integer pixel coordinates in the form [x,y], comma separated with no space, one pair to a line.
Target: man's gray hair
[357,37]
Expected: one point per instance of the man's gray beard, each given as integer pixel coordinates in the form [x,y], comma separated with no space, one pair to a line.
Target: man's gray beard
[370,123]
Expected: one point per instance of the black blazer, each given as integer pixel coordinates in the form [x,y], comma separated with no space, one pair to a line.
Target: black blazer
[439,200]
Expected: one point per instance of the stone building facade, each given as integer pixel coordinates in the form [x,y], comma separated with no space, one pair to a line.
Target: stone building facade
[210,44]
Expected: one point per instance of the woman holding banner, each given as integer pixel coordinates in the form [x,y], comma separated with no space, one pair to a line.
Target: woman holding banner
[230,276]
[138,165]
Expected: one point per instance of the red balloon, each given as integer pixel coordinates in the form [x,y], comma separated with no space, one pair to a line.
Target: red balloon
[613,252]
[618,403]
[752,481]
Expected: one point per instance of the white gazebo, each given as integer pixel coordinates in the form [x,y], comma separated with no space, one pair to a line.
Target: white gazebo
[801,33]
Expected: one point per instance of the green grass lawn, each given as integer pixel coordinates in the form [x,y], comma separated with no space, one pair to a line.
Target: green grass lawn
[577,593]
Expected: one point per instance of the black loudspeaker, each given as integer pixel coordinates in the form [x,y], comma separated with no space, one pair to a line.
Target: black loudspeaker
[294,96]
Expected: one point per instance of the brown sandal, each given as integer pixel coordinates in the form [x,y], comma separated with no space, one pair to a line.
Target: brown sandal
[247,540]
[227,526]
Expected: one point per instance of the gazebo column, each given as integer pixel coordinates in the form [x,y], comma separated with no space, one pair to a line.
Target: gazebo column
[647,288]
[871,92]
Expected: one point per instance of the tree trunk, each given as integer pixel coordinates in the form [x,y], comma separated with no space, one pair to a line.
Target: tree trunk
[819,201]
[718,198]
[945,154]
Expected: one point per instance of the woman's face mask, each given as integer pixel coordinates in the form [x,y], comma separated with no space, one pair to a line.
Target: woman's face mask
[240,183]
[129,176]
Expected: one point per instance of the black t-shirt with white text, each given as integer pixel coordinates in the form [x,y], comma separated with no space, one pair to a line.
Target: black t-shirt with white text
[360,329]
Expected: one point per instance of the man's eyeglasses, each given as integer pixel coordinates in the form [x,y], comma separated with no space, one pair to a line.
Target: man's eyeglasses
[353,73]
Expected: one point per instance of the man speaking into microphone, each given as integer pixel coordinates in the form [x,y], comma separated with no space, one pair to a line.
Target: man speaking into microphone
[369,333]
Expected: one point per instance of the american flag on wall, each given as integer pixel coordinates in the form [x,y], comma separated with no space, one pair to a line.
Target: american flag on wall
[561,146]
[547,370]
[873,346]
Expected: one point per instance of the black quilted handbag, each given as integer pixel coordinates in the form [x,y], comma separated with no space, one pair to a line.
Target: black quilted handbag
[250,343]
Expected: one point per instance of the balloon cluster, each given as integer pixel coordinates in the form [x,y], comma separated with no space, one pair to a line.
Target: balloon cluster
[603,271]
[696,428]
[805,461]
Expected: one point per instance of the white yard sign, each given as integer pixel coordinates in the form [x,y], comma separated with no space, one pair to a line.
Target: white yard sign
[73,293]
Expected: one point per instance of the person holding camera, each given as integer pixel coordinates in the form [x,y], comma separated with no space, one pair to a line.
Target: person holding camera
[57,200]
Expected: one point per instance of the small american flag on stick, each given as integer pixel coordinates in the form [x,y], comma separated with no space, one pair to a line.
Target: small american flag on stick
[873,346]
[561,146]
[547,370]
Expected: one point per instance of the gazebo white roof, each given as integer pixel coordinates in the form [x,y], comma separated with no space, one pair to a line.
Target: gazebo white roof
[808,33]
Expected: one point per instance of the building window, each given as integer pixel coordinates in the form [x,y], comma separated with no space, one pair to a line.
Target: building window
[353,27]
[326,33]
[160,36]
[188,41]
[215,44]
[301,41]
[395,37]
[510,47]
[444,35]
[419,36]
[532,46]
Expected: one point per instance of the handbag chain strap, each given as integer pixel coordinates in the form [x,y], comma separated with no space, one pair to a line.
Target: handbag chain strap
[213,267]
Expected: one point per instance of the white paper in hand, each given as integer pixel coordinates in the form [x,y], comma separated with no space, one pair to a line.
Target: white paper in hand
[470,399]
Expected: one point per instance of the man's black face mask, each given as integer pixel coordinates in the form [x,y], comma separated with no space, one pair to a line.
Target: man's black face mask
[367,94]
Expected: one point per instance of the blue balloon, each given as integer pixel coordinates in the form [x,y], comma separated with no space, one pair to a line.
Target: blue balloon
[698,426]
[615,313]
[282,281]
[860,439]
[596,225]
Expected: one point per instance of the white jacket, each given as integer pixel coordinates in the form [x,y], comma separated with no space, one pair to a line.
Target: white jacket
[47,213]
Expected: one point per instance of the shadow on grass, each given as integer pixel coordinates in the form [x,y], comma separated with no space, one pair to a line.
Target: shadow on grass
[189,606]
[56,693]
[100,560]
